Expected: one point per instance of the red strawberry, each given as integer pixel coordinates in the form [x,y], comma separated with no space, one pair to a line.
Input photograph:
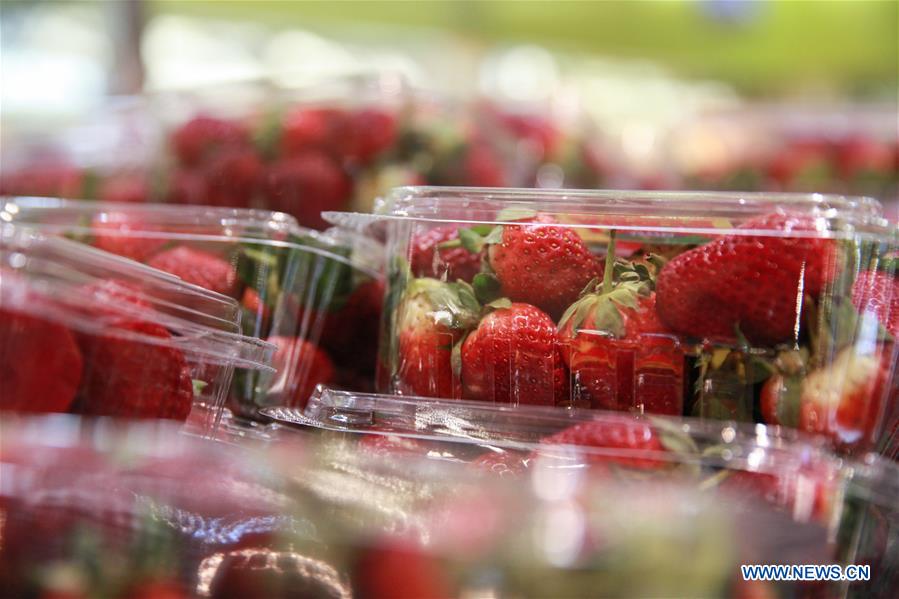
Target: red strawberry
[482,168]
[619,354]
[534,128]
[805,491]
[368,133]
[858,155]
[311,129]
[844,398]
[617,440]
[40,363]
[199,268]
[132,377]
[451,262]
[799,164]
[779,400]
[301,367]
[187,187]
[513,357]
[257,308]
[125,235]
[394,568]
[542,263]
[307,185]
[199,137]
[877,293]
[129,189]
[53,180]
[351,334]
[233,177]
[747,280]
[431,319]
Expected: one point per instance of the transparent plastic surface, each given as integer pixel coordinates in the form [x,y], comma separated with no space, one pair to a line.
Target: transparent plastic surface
[316,296]
[328,518]
[96,334]
[773,308]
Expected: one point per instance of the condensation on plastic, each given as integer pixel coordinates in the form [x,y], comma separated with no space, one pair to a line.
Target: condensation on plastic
[320,514]
[104,301]
[711,376]
[297,275]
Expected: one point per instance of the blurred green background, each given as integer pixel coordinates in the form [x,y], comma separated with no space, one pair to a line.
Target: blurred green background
[761,46]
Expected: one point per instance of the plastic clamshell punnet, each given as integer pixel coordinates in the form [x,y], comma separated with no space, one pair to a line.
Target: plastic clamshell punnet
[315,295]
[87,332]
[775,308]
[344,520]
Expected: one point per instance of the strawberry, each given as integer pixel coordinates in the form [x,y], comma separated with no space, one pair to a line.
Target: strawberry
[233,177]
[806,490]
[858,155]
[198,138]
[125,235]
[431,319]
[798,166]
[747,280]
[368,133]
[187,186]
[877,293]
[481,167]
[307,185]
[843,399]
[311,129]
[513,357]
[541,263]
[351,333]
[45,179]
[40,364]
[533,128]
[134,378]
[437,253]
[619,354]
[617,440]
[301,366]
[394,568]
[199,268]
[259,312]
[128,189]
[779,400]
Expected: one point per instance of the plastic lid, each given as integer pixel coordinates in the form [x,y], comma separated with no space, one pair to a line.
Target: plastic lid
[76,219]
[81,288]
[707,213]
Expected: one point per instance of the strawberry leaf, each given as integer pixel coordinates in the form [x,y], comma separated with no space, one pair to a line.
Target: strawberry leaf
[486,287]
[456,357]
[500,304]
[198,386]
[471,240]
[515,213]
[494,237]
[607,318]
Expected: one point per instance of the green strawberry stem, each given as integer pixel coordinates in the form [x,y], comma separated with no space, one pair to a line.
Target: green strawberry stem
[607,274]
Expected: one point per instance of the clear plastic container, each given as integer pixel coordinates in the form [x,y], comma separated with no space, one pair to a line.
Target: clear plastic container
[79,335]
[314,295]
[330,518]
[768,307]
